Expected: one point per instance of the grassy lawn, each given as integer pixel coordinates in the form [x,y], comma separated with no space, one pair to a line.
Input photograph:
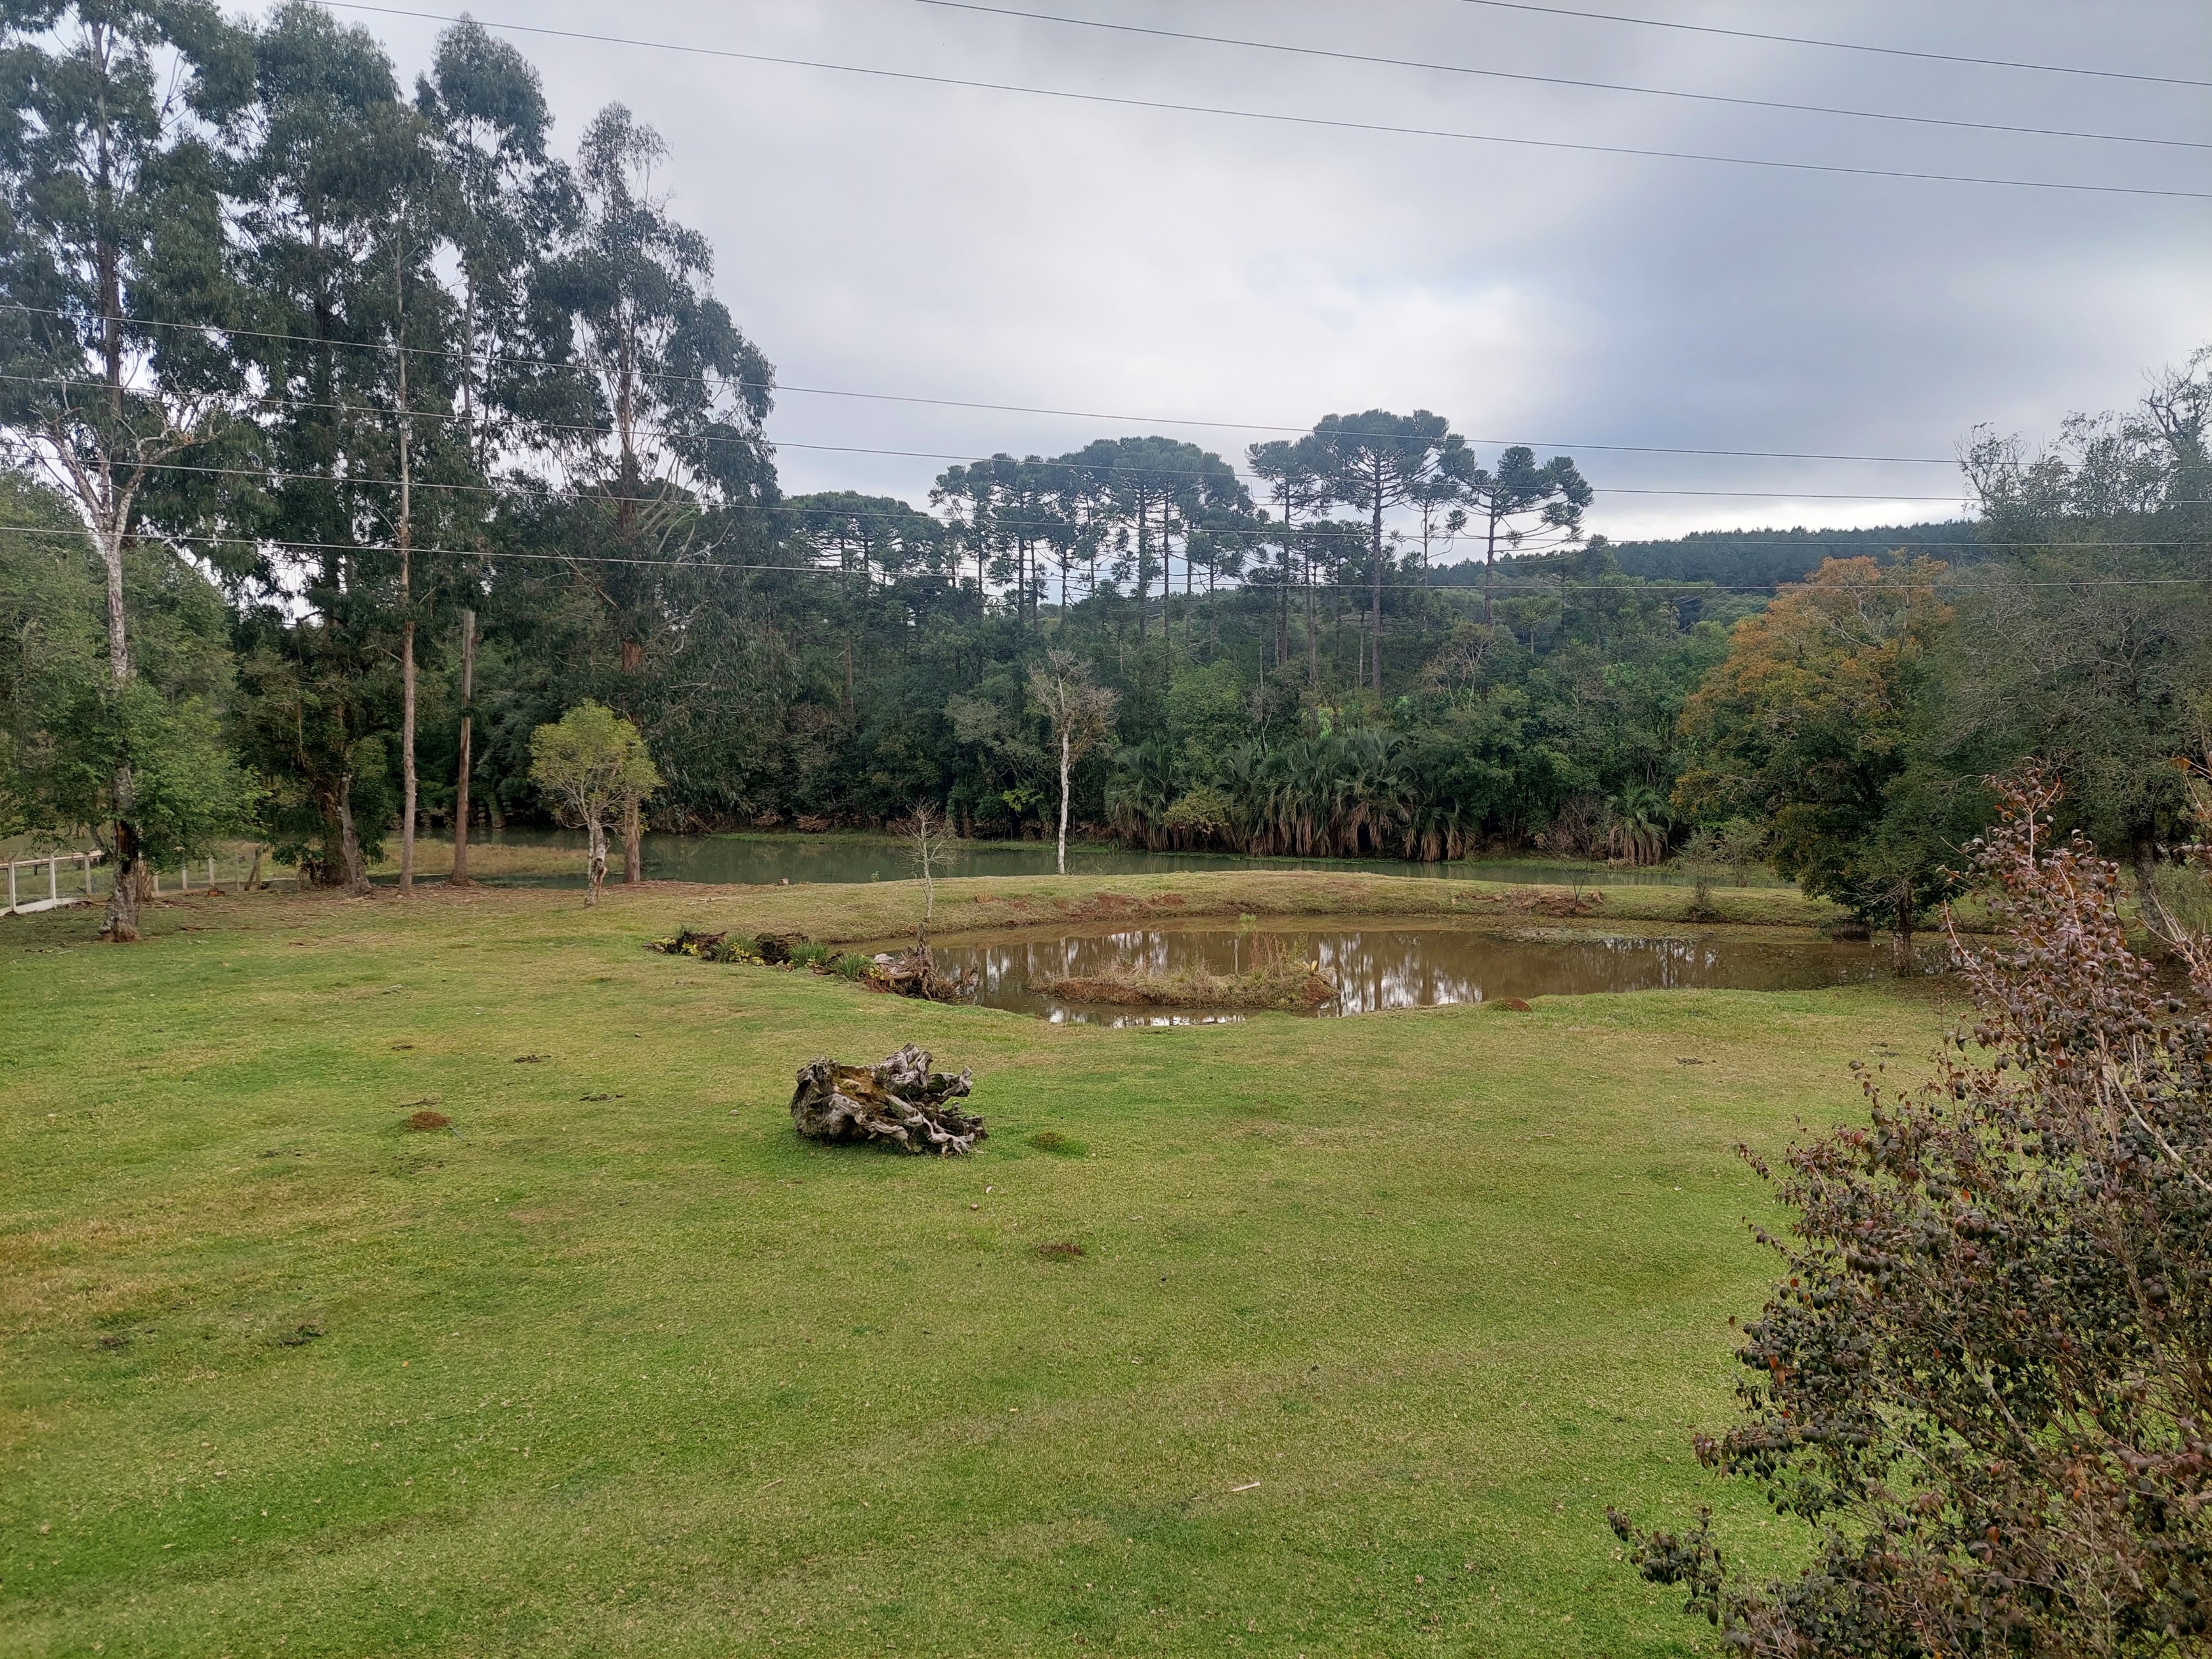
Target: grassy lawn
[1372,1318]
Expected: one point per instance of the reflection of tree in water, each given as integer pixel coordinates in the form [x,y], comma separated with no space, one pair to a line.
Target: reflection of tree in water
[1376,969]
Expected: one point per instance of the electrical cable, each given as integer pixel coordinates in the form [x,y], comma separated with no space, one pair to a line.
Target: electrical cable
[1838,45]
[1327,123]
[1557,80]
[497,487]
[492,555]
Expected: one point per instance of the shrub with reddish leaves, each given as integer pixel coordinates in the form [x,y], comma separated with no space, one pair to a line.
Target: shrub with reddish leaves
[1985,1381]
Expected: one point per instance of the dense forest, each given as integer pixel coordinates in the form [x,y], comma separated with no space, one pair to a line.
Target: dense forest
[356,433]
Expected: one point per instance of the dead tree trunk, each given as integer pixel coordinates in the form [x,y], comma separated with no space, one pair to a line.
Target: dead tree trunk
[901,1103]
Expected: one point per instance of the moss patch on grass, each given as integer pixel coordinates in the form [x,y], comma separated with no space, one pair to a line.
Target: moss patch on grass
[1373,1318]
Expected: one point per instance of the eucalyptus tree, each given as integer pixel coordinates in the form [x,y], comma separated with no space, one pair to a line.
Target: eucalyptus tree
[501,198]
[1518,500]
[114,135]
[668,397]
[353,340]
[1377,461]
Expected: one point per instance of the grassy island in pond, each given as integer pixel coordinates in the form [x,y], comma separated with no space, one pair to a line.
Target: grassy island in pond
[1285,1336]
[1283,982]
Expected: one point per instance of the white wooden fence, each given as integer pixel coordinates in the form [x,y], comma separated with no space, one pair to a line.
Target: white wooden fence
[27,876]
[61,878]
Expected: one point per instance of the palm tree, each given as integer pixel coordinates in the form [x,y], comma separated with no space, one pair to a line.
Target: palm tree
[1640,823]
[1140,792]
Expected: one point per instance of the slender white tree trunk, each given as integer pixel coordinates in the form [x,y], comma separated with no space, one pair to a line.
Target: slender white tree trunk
[597,868]
[120,923]
[407,779]
[408,785]
[1064,745]
[459,875]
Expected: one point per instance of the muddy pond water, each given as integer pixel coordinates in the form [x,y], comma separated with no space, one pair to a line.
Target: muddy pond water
[1393,963]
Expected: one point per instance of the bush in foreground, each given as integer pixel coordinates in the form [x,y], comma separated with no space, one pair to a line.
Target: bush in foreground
[1986,1380]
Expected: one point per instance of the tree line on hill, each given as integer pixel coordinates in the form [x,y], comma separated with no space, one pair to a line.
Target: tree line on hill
[358,435]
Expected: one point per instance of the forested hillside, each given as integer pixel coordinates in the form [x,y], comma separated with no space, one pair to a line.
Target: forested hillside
[359,431]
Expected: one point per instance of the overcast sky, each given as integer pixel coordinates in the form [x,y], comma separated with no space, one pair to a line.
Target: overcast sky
[879,235]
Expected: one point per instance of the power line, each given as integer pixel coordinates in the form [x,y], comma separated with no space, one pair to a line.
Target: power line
[1326,123]
[1556,80]
[515,486]
[1554,444]
[1841,45]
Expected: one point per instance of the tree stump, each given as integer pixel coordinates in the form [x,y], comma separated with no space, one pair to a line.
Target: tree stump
[901,1103]
[913,973]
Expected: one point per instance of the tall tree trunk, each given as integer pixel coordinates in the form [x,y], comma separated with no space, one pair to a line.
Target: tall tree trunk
[409,788]
[409,785]
[1489,570]
[356,867]
[119,926]
[1375,552]
[595,867]
[1144,574]
[1064,769]
[633,842]
[459,875]
[1313,630]
[1167,602]
[1901,940]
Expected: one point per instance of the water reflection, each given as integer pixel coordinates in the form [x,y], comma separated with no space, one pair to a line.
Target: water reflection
[1388,965]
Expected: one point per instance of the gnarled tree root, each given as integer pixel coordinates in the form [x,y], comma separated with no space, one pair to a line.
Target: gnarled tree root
[901,1103]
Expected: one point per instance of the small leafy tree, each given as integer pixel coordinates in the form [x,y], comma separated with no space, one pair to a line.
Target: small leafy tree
[593,762]
[1729,849]
[1810,725]
[184,789]
[1983,1382]
[1082,716]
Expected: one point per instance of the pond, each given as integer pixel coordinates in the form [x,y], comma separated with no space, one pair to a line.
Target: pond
[1394,964]
[765,859]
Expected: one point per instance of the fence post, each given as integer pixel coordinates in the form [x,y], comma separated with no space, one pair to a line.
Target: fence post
[53,881]
[11,884]
[85,859]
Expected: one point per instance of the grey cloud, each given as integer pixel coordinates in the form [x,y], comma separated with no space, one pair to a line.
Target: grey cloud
[943,241]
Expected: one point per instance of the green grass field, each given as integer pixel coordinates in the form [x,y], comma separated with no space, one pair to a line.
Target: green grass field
[1372,1317]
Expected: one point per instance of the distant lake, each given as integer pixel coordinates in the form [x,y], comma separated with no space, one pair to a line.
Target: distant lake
[765,859]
